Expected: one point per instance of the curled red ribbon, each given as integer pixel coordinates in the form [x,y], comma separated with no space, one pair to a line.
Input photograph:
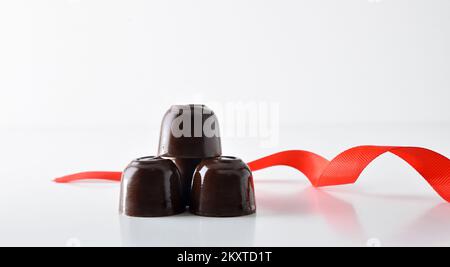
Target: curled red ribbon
[343,169]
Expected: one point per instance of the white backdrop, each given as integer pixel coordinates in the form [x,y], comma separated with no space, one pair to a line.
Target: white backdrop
[76,62]
[84,84]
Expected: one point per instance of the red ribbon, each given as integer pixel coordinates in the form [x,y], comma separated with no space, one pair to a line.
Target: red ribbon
[343,169]
[98,175]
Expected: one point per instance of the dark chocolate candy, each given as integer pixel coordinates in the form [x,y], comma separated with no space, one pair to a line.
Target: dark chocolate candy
[151,186]
[222,187]
[189,131]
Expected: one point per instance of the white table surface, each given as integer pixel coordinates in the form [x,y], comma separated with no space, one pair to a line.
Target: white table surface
[389,205]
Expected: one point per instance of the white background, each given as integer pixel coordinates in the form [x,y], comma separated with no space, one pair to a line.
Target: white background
[116,62]
[83,86]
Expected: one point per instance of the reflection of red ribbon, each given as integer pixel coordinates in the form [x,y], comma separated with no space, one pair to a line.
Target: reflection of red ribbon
[343,169]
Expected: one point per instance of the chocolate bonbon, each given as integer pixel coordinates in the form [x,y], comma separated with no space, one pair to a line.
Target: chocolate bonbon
[222,187]
[151,186]
[190,131]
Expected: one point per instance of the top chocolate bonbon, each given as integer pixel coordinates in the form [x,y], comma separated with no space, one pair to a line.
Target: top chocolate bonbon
[189,131]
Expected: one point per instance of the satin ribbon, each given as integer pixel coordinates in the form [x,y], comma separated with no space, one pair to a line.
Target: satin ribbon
[343,169]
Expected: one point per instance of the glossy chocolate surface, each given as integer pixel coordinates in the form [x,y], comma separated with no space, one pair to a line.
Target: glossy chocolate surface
[198,142]
[222,187]
[151,186]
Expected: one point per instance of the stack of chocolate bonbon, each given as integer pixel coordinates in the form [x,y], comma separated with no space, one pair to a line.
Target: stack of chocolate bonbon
[188,171]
